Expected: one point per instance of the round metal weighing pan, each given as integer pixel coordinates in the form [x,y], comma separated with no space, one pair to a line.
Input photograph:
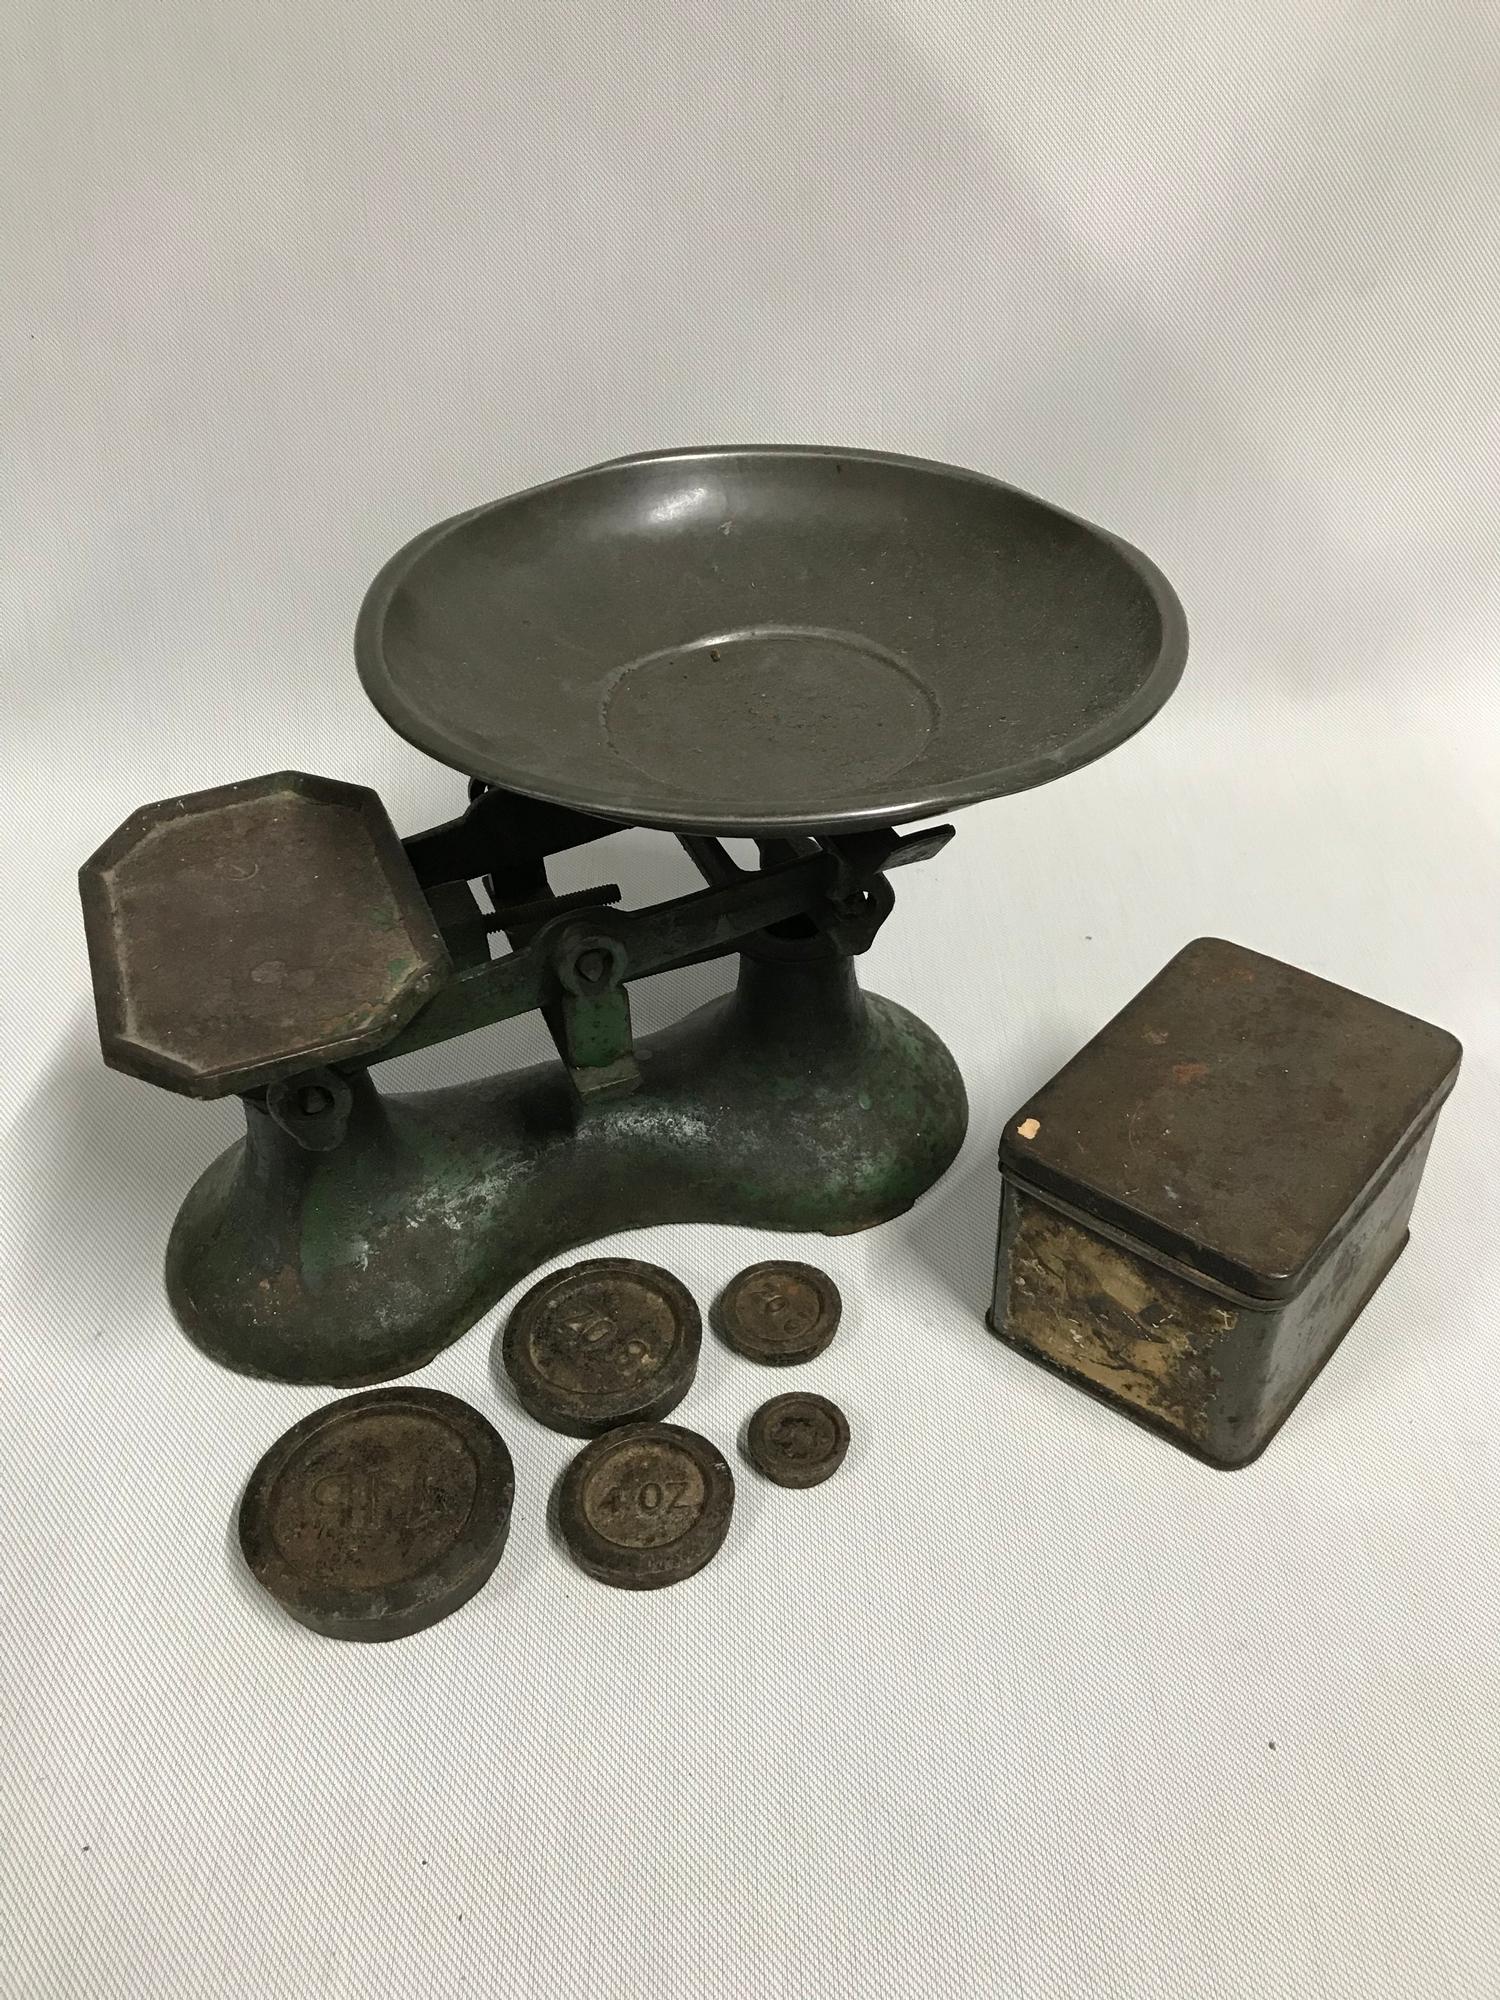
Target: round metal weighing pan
[769,639]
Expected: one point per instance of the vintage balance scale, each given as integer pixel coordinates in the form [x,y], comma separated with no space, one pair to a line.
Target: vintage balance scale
[800,645]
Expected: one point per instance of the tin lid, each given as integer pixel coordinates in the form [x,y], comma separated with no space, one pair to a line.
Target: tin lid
[1233,1114]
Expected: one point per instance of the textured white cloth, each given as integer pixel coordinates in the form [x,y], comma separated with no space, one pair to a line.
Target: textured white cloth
[1022,1703]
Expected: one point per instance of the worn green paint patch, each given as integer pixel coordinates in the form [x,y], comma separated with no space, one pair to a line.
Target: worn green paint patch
[799,1106]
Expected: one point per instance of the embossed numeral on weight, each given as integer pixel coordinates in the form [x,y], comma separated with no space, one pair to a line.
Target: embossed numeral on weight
[653,1497]
[362,1501]
[591,1328]
[796,1436]
[598,1330]
[790,1321]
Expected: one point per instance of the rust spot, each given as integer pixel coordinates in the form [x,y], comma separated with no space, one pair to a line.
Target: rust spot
[1109,1317]
[1189,1072]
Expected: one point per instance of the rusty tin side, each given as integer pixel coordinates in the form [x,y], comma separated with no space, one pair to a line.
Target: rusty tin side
[1214,1371]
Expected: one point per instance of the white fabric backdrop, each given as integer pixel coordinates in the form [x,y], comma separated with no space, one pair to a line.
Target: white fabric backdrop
[1022,1703]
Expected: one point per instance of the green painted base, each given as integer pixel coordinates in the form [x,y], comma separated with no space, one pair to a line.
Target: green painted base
[798,1102]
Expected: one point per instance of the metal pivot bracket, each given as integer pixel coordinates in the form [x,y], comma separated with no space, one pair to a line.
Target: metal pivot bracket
[590,1020]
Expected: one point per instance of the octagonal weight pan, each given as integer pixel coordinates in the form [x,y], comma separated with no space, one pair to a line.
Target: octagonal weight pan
[769,639]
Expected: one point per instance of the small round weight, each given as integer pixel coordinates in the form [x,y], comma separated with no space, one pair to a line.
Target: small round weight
[797,1440]
[605,1342]
[779,1313]
[379,1514]
[645,1505]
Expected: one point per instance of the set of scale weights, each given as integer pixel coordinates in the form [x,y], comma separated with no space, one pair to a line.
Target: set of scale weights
[382,1513]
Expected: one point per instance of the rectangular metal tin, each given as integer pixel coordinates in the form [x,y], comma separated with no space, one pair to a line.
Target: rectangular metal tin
[1148,1317]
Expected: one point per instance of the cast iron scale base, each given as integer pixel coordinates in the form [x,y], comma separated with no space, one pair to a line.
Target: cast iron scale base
[802,646]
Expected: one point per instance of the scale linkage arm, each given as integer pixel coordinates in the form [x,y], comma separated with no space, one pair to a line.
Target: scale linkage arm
[271,936]
[588,952]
